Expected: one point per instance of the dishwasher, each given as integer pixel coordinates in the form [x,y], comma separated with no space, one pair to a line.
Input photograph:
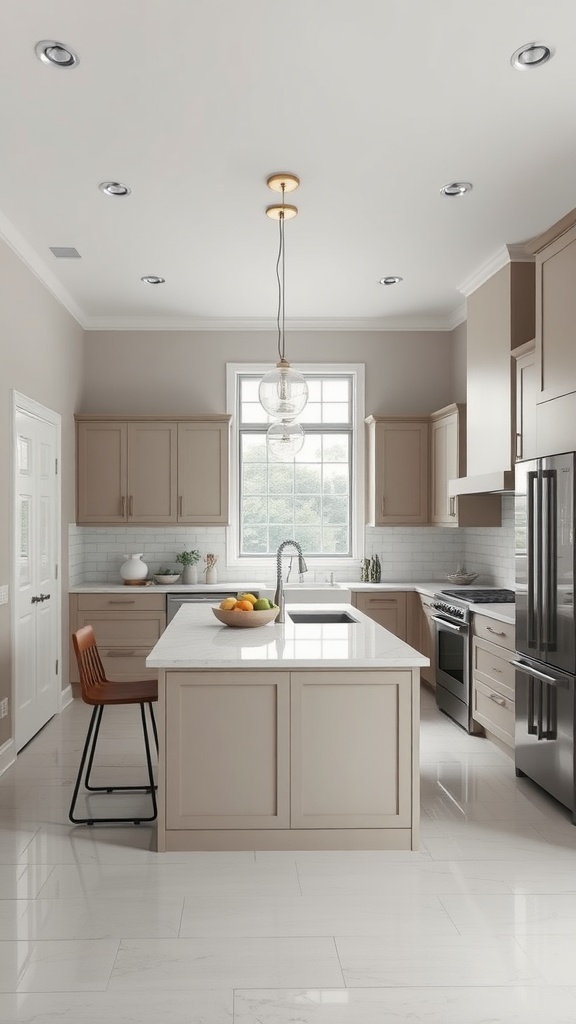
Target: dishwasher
[175,601]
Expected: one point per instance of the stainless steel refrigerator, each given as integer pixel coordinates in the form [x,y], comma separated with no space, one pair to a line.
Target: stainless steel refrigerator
[545,625]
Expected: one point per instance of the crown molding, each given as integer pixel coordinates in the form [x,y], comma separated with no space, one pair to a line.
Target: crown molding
[507,254]
[15,241]
[155,323]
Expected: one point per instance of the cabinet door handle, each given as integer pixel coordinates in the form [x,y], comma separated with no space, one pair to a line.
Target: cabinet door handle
[494,631]
[180,503]
[518,446]
[497,700]
[130,506]
[122,600]
[120,654]
[123,507]
[452,506]
[383,505]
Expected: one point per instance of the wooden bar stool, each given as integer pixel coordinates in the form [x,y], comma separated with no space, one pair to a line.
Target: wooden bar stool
[99,692]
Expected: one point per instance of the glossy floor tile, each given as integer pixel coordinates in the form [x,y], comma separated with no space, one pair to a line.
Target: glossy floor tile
[478,925]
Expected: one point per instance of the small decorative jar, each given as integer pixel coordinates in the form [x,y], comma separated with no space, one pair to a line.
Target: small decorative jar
[189,574]
[211,574]
[133,568]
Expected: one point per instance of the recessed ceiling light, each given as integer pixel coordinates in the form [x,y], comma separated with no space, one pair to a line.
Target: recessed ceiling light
[114,188]
[65,252]
[456,188]
[531,55]
[390,280]
[50,51]
[152,279]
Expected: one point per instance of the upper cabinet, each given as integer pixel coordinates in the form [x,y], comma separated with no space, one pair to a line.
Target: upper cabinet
[448,461]
[152,471]
[526,397]
[555,253]
[500,318]
[397,451]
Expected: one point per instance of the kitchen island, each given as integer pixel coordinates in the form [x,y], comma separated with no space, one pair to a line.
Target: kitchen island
[294,735]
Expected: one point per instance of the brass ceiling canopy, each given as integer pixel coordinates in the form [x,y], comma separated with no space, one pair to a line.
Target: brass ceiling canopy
[282,182]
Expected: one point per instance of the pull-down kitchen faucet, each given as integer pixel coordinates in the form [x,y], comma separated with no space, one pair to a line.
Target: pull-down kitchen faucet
[302,567]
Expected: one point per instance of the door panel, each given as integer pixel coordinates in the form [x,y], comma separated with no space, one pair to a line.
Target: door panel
[36,620]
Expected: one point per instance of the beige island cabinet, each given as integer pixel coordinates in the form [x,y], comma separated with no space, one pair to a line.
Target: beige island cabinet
[294,735]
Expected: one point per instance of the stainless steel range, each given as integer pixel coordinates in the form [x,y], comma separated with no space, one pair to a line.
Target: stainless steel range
[452,615]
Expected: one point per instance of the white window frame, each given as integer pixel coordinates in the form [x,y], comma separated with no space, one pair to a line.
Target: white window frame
[356,371]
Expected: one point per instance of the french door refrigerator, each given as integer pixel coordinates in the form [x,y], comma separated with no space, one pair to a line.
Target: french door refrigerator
[545,625]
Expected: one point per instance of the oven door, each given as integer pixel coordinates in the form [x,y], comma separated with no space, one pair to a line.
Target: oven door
[453,670]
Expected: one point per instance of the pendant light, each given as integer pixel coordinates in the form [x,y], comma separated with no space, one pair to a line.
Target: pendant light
[283,392]
[284,439]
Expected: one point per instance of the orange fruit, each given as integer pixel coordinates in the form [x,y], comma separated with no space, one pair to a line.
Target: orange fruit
[243,606]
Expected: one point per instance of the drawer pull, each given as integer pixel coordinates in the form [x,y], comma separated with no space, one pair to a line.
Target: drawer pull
[498,700]
[494,631]
[123,600]
[121,654]
[498,671]
[180,503]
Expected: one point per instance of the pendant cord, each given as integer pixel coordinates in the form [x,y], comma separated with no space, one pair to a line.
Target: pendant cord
[281,279]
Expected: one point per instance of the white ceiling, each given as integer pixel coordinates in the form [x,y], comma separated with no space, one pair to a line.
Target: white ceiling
[375,104]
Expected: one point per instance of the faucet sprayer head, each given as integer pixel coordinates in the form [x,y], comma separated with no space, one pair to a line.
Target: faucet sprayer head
[302,567]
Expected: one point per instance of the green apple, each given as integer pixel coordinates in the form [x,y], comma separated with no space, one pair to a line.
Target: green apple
[262,604]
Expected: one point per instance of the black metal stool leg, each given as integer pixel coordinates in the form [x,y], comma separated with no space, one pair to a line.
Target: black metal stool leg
[89,751]
[154,729]
[79,821]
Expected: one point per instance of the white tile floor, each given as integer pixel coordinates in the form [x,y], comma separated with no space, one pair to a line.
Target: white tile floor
[478,926]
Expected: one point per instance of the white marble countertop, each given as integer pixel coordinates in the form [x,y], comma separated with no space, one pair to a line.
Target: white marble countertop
[195,639]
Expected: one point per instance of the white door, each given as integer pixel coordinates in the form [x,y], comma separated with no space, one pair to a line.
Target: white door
[36,591]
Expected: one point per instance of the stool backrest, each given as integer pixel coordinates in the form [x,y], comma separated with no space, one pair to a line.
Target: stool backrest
[89,664]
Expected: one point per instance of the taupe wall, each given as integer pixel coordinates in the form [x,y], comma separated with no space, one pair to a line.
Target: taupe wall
[41,355]
[139,372]
[460,362]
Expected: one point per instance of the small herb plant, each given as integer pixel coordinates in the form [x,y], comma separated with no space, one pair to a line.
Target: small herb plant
[167,572]
[188,557]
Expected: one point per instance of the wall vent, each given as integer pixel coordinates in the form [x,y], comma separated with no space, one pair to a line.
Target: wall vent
[65,252]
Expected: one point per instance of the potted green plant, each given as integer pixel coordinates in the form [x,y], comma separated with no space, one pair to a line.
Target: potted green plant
[189,559]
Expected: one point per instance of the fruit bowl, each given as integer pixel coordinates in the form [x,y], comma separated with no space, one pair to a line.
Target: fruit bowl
[164,577]
[245,620]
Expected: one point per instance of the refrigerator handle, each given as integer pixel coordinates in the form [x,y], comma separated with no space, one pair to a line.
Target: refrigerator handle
[549,560]
[539,730]
[531,726]
[551,713]
[531,524]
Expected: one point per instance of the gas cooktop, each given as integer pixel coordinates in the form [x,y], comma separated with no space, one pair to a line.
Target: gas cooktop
[485,596]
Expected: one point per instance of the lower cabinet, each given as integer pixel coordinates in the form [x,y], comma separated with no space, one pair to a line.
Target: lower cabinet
[493,680]
[228,750]
[262,750]
[386,607]
[126,627]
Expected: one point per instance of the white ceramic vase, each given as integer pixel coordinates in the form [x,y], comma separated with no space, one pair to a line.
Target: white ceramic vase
[134,568]
[211,575]
[189,574]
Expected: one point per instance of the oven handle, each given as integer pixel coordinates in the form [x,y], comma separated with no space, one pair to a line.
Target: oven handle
[449,625]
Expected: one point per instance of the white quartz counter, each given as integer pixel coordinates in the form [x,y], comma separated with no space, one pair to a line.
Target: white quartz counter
[195,639]
[502,612]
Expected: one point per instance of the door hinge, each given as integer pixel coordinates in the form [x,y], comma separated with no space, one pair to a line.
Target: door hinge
[57,664]
[56,466]
[55,572]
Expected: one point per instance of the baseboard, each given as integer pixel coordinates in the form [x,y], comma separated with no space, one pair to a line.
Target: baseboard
[66,698]
[7,755]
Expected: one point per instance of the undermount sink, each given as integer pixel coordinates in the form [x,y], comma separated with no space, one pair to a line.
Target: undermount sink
[322,617]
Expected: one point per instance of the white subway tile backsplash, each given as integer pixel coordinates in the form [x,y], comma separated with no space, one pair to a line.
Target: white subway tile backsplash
[406,553]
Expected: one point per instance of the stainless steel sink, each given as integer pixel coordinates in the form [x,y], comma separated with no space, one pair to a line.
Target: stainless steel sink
[322,617]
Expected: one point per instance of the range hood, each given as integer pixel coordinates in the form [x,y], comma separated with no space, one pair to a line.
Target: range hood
[499,482]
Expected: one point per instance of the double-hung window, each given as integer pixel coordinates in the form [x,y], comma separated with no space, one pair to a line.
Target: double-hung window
[311,498]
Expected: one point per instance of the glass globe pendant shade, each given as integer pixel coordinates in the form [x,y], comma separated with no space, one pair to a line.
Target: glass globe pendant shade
[284,439]
[283,392]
